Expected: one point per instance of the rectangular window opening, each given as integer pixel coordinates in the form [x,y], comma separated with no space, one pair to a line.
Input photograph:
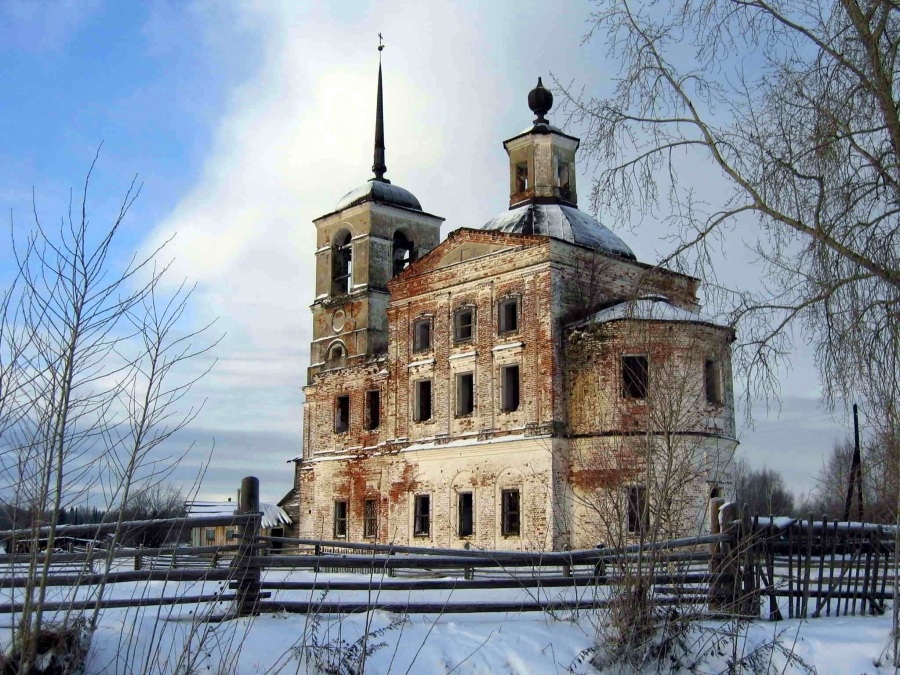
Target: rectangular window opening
[370,523]
[342,414]
[229,534]
[466,514]
[509,316]
[638,512]
[521,176]
[463,325]
[713,382]
[210,534]
[422,519]
[634,376]
[373,409]
[562,177]
[509,388]
[340,519]
[422,410]
[465,394]
[422,335]
[510,513]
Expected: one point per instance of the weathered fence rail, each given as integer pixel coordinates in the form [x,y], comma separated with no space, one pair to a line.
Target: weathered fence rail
[801,567]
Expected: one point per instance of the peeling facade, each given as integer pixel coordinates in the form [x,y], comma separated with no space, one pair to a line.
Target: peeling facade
[524,385]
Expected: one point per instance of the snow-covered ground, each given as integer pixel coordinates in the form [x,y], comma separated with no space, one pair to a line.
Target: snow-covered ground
[178,639]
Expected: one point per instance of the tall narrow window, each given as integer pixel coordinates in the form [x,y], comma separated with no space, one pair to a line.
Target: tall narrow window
[510,522]
[466,514]
[638,513]
[712,376]
[509,388]
[422,403]
[465,394]
[521,176]
[562,178]
[340,519]
[422,335]
[373,409]
[210,534]
[464,325]
[634,376]
[404,252]
[422,516]
[341,264]
[370,522]
[508,316]
[342,414]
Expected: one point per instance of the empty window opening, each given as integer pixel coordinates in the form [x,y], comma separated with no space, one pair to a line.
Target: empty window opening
[340,519]
[342,414]
[712,375]
[510,520]
[370,522]
[404,252]
[230,534]
[463,325]
[562,177]
[521,176]
[509,388]
[466,514]
[638,511]
[336,354]
[508,318]
[422,335]
[276,532]
[373,409]
[634,376]
[422,520]
[210,534]
[715,492]
[465,394]
[422,402]
[342,264]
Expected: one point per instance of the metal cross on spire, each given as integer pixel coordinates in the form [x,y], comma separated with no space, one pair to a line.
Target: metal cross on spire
[379,168]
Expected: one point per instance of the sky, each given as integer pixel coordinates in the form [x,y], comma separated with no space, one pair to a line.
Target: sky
[245,121]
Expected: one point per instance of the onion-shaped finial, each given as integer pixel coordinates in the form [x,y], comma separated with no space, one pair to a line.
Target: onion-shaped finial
[540,100]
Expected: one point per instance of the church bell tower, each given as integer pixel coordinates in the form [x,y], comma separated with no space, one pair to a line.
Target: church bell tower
[375,232]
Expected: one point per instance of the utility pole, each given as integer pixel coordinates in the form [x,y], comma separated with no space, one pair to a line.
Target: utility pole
[855,472]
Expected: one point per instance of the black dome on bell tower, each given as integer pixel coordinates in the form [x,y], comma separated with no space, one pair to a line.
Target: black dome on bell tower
[540,100]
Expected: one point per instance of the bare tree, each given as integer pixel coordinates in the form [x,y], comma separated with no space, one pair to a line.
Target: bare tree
[793,104]
[762,490]
[92,360]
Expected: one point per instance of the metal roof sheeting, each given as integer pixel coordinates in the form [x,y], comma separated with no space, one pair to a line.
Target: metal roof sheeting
[382,192]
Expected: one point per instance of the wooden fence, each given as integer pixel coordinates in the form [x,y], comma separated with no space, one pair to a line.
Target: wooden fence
[801,568]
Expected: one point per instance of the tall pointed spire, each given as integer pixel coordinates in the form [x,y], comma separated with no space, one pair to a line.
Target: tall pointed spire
[379,168]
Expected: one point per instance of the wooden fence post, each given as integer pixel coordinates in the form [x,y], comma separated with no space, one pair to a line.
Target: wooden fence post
[247,576]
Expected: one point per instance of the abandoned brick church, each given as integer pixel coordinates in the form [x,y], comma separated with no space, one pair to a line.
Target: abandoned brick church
[526,384]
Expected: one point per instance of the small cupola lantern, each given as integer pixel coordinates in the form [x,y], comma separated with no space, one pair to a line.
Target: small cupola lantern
[541,158]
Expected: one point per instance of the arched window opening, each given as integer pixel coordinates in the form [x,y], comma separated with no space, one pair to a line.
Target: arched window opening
[404,252]
[342,264]
[337,355]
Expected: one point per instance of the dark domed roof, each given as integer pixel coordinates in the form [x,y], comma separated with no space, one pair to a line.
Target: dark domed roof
[383,193]
[561,222]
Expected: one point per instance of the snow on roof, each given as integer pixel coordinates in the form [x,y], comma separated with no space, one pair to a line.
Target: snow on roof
[273,515]
[561,222]
[648,308]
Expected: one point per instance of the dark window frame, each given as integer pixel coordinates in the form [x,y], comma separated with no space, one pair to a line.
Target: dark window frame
[341,519]
[511,512]
[342,263]
[373,409]
[465,524]
[422,516]
[210,531]
[370,518]
[459,327]
[503,327]
[418,409]
[461,409]
[712,382]
[418,346]
[403,252]
[342,414]
[638,510]
[635,376]
[522,176]
[508,404]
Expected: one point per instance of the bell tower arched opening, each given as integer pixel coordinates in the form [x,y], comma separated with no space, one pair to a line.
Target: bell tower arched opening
[404,252]
[342,263]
